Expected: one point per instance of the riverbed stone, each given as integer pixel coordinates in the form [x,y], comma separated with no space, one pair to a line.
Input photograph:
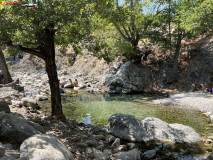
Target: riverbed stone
[4,107]
[29,102]
[129,155]
[150,129]
[15,129]
[44,147]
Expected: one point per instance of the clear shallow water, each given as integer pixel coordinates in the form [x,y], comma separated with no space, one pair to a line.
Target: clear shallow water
[77,104]
[97,109]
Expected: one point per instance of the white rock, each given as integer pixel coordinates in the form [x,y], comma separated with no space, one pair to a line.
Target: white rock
[44,147]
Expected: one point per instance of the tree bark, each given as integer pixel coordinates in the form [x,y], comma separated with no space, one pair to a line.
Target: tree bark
[51,70]
[177,52]
[3,67]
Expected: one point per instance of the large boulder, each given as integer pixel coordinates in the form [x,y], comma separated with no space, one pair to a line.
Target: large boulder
[151,129]
[126,78]
[44,147]
[4,107]
[14,129]
[29,102]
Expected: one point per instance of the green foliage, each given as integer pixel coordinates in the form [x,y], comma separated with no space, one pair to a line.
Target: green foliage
[120,26]
[197,16]
[23,26]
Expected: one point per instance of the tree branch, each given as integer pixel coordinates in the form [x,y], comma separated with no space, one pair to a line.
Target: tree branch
[121,33]
[126,31]
[27,50]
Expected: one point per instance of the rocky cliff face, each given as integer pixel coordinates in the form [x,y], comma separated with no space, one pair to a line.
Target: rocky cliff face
[199,72]
[195,70]
[126,78]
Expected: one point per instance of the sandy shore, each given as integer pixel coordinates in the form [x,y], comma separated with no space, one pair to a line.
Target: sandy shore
[200,101]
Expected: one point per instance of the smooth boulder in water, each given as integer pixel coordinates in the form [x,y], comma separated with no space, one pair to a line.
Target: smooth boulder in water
[151,129]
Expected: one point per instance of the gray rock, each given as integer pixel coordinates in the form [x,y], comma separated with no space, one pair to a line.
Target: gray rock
[88,150]
[131,145]
[68,85]
[7,158]
[4,107]
[44,147]
[110,138]
[150,153]
[14,129]
[2,150]
[8,146]
[107,152]
[29,102]
[99,155]
[150,129]
[92,143]
[116,143]
[128,78]
[41,98]
[129,155]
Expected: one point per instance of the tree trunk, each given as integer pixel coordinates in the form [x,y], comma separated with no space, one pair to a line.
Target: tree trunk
[56,105]
[3,67]
[177,53]
[51,70]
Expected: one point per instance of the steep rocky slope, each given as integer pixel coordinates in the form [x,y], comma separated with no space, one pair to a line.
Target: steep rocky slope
[195,69]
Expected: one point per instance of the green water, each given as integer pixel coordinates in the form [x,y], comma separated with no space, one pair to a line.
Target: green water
[77,104]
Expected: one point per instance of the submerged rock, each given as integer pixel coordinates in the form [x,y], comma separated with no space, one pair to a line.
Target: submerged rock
[151,129]
[129,78]
[44,147]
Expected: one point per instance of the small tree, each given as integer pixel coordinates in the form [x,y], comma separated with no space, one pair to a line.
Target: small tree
[38,30]
[169,33]
[127,22]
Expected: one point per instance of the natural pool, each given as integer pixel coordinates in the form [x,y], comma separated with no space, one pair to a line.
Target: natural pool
[78,104]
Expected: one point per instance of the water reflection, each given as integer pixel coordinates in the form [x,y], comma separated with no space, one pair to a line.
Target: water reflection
[86,120]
